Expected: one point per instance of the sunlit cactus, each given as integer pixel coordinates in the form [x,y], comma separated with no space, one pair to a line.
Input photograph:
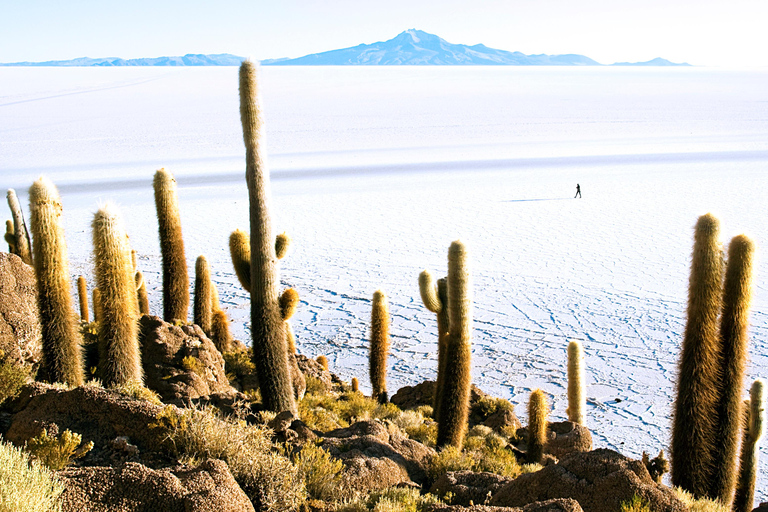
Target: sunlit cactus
[202,307]
[695,407]
[323,362]
[141,294]
[97,313]
[240,252]
[379,348]
[82,294]
[750,450]
[62,357]
[282,244]
[454,397]
[175,278]
[538,412]
[220,334]
[577,397]
[289,301]
[355,385]
[270,351]
[290,337]
[734,321]
[435,298]
[22,244]
[119,356]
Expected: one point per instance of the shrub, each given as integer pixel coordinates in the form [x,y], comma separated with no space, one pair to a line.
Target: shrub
[486,406]
[394,499]
[338,410]
[483,450]
[315,386]
[238,363]
[138,391]
[58,451]
[699,505]
[193,364]
[321,472]
[636,504]
[268,478]
[12,377]
[26,485]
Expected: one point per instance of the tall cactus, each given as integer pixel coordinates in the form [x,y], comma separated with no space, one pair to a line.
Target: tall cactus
[745,491]
[97,311]
[734,321]
[379,347]
[435,299]
[119,357]
[695,408]
[270,353]
[175,278]
[19,228]
[538,412]
[82,294]
[203,304]
[577,397]
[62,353]
[454,399]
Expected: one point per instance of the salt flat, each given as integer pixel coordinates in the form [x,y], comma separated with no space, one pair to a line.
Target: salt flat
[377,170]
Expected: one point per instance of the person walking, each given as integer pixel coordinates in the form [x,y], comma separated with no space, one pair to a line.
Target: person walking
[578,192]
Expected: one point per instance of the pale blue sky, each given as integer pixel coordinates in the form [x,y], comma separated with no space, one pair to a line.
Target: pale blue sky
[703,32]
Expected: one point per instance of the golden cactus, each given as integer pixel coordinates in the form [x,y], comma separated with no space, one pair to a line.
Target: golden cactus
[240,251]
[379,348]
[323,362]
[202,307]
[220,334]
[750,450]
[435,299]
[577,397]
[22,243]
[82,293]
[538,412]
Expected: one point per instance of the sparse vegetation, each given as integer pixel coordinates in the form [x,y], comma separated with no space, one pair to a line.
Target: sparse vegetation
[26,485]
[12,378]
[636,504]
[394,499]
[58,451]
[699,505]
[321,472]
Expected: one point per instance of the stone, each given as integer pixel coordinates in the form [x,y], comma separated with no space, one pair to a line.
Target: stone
[557,505]
[468,487]
[20,332]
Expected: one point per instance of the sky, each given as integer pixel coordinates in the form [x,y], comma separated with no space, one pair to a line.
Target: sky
[704,32]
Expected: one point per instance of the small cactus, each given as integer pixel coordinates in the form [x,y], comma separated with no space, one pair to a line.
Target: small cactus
[577,398]
[22,244]
[82,293]
[355,384]
[62,357]
[220,334]
[175,278]
[323,362]
[282,244]
[289,301]
[203,302]
[538,412]
[141,294]
[750,450]
[290,338]
[119,357]
[379,348]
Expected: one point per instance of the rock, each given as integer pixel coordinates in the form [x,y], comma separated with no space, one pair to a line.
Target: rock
[600,480]
[375,457]
[569,438]
[137,488]
[297,378]
[97,414]
[501,419]
[20,334]
[180,363]
[411,397]
[558,505]
[467,486]
[311,368]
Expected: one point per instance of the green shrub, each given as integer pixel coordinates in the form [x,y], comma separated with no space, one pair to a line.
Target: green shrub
[12,378]
[26,485]
[238,364]
[267,477]
[636,504]
[483,450]
[321,472]
[315,386]
[394,499]
[58,451]
[138,391]
[193,364]
[338,410]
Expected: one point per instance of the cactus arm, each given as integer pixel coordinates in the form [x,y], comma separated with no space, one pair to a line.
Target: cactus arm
[23,244]
[240,252]
[282,244]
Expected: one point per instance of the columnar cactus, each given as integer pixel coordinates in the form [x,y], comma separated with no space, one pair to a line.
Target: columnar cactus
[435,299]
[240,251]
[98,315]
[203,303]
[577,397]
[220,334]
[745,491]
[62,357]
[355,385]
[82,293]
[119,357]
[141,294]
[379,348]
[10,237]
[175,278]
[323,362]
[270,351]
[454,399]
[734,321]
[22,243]
[538,412]
[695,408]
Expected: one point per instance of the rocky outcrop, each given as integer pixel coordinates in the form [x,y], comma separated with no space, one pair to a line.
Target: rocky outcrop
[468,487]
[559,505]
[311,368]
[134,487]
[180,363]
[20,334]
[411,397]
[600,480]
[568,438]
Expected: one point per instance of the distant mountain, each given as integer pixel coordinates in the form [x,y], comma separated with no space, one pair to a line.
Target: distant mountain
[658,61]
[221,59]
[414,47]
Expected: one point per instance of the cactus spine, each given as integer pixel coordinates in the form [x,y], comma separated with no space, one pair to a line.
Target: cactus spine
[175,278]
[538,411]
[62,357]
[270,354]
[745,492]
[379,348]
[694,412]
[82,293]
[577,397]
[202,308]
[435,299]
[22,242]
[454,398]
[734,321]
[119,358]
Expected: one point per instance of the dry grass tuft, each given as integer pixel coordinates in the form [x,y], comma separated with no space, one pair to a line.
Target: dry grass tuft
[636,504]
[138,391]
[330,411]
[12,378]
[321,472]
[58,451]
[26,485]
[699,505]
[394,499]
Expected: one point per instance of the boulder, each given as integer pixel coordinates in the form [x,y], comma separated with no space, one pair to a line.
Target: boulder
[600,480]
[503,419]
[180,363]
[376,457]
[20,334]
[468,487]
[411,397]
[134,487]
[99,415]
[311,368]
[568,438]
[558,505]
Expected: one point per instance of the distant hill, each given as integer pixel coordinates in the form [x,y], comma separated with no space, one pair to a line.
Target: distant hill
[658,61]
[414,47]
[221,59]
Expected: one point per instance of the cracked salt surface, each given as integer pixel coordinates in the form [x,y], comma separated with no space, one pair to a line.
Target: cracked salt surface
[366,182]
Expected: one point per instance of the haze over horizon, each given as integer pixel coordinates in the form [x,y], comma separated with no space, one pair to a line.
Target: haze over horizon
[702,33]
